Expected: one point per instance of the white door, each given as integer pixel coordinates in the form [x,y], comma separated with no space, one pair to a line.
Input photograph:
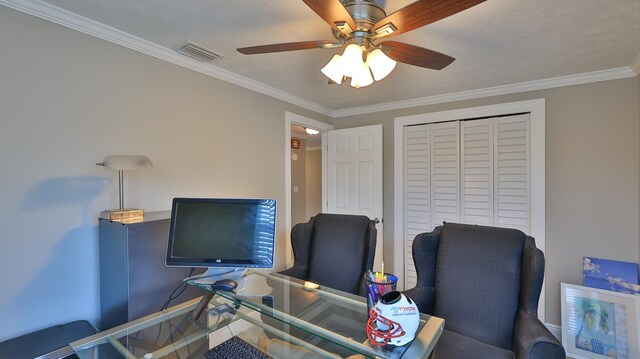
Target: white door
[354,176]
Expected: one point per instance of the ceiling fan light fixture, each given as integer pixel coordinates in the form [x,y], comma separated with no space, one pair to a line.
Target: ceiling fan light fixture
[380,64]
[351,60]
[363,78]
[333,69]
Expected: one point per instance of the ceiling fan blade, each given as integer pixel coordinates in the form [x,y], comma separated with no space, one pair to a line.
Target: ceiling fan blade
[331,11]
[287,46]
[417,56]
[423,12]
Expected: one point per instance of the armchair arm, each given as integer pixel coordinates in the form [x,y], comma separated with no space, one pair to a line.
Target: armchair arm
[423,297]
[301,246]
[370,252]
[425,253]
[425,256]
[532,276]
[534,341]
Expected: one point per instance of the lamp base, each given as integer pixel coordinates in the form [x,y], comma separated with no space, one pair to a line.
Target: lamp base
[128,215]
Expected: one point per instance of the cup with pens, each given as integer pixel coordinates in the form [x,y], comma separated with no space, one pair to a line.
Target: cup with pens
[379,284]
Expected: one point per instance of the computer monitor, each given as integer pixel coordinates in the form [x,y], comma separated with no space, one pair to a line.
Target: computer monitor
[225,235]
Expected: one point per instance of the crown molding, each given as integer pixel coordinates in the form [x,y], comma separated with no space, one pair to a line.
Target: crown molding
[93,28]
[90,27]
[577,79]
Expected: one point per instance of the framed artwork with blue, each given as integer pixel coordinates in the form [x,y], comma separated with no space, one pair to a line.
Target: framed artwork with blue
[611,275]
[599,324]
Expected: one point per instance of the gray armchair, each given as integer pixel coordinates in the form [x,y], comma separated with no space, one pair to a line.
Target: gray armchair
[334,250]
[485,282]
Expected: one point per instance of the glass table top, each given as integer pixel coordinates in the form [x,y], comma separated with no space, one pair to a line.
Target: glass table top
[275,313]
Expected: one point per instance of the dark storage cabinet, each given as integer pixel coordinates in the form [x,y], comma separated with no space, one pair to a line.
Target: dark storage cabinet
[134,280]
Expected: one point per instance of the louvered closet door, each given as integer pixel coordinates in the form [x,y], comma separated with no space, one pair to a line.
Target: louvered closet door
[474,171]
[431,188]
[445,173]
[477,172]
[512,202]
[417,188]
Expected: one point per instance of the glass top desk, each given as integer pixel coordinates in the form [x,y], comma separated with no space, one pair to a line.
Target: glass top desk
[272,312]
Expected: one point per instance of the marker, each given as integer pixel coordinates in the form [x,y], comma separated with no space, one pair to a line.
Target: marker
[372,294]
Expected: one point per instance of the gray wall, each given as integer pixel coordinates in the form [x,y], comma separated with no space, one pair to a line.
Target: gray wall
[314,182]
[67,100]
[591,175]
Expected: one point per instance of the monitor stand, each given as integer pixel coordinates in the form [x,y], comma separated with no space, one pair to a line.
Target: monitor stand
[212,275]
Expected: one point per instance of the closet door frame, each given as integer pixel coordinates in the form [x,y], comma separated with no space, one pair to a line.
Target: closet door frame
[536,109]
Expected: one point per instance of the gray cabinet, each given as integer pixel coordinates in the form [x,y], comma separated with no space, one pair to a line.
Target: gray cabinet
[134,280]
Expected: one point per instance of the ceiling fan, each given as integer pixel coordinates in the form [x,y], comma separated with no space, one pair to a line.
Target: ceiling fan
[359,25]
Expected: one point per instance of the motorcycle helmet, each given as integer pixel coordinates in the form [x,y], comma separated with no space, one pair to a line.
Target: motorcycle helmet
[393,320]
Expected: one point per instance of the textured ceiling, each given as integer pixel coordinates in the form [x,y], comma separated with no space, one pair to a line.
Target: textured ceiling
[498,42]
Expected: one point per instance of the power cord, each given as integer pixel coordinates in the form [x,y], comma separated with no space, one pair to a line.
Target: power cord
[173,296]
[182,287]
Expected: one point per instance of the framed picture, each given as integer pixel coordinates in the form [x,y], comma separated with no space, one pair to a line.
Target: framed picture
[611,275]
[599,324]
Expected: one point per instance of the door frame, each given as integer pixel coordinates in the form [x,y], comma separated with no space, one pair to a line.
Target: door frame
[536,108]
[289,119]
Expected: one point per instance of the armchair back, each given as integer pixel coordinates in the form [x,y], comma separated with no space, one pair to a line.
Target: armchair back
[334,250]
[478,281]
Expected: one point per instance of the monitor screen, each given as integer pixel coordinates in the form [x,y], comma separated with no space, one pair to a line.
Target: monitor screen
[222,232]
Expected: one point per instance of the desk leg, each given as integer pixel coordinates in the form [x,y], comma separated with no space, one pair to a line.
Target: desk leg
[202,305]
[195,314]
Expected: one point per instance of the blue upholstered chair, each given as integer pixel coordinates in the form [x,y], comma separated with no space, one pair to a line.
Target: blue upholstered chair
[485,282]
[334,250]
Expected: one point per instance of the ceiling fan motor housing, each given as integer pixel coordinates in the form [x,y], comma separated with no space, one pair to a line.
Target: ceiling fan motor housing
[365,14]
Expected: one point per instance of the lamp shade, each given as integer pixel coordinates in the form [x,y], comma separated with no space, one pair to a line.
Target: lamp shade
[333,69]
[126,162]
[363,78]
[352,60]
[381,65]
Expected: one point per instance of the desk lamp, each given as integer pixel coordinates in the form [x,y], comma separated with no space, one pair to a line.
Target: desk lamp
[123,163]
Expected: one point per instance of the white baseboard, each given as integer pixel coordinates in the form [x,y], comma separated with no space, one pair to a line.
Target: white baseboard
[556,330]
